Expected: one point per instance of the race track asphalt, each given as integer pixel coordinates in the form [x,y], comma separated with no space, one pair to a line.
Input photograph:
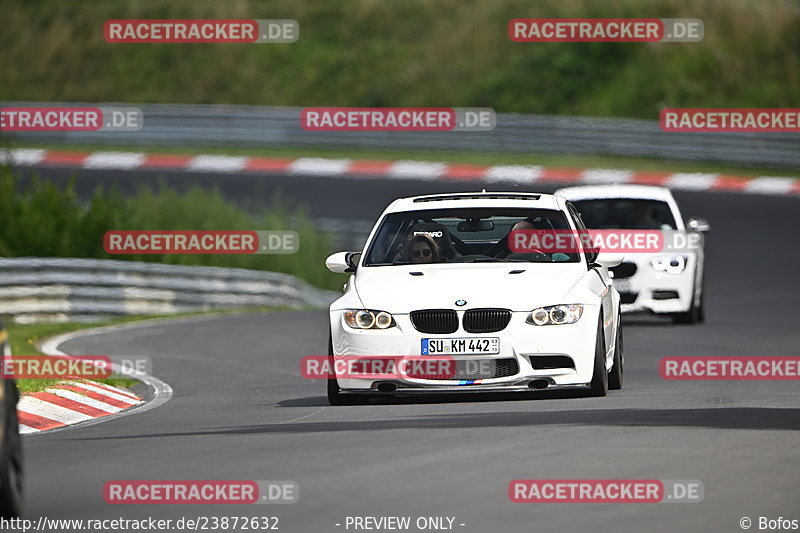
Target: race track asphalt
[241,410]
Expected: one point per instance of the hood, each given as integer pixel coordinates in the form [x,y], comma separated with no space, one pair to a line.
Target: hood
[396,290]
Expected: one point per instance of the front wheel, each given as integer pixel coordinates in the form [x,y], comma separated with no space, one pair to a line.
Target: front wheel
[692,316]
[701,308]
[335,396]
[615,377]
[696,314]
[599,384]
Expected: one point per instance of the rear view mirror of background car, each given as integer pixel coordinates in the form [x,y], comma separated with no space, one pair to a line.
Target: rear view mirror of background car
[475,225]
[342,262]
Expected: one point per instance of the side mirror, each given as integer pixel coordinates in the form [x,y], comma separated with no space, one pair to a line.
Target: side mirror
[608,260]
[699,225]
[342,262]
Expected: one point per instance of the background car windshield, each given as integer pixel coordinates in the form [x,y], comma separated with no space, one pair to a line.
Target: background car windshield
[460,236]
[625,213]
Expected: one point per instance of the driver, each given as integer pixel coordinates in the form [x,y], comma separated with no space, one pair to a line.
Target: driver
[504,244]
[644,217]
[527,225]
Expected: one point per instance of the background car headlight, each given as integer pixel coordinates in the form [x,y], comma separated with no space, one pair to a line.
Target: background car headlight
[671,264]
[555,315]
[368,319]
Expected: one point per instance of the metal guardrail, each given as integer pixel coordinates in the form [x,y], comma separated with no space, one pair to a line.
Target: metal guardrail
[213,125]
[43,289]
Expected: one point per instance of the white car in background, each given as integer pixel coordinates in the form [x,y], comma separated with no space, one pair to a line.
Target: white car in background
[665,283]
[437,278]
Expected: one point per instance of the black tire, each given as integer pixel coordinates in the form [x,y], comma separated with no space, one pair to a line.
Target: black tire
[701,308]
[11,468]
[616,376]
[692,316]
[335,396]
[696,313]
[599,384]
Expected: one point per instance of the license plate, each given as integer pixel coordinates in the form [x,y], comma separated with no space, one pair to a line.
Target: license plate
[464,346]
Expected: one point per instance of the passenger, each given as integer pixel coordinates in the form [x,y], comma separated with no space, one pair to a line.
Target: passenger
[422,249]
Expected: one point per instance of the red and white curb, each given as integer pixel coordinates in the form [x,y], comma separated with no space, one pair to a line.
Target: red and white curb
[69,403]
[87,402]
[404,170]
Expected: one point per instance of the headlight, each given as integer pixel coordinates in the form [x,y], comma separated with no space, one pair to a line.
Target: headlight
[671,264]
[368,319]
[555,315]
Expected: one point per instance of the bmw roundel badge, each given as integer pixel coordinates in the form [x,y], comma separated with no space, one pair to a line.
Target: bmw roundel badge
[461,303]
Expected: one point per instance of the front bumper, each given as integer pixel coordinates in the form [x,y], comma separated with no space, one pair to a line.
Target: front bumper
[405,389]
[558,356]
[657,292]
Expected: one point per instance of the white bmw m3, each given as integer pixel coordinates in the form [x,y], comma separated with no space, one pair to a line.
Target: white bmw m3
[438,280]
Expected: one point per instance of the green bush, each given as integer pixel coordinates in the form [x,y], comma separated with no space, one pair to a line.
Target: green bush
[43,220]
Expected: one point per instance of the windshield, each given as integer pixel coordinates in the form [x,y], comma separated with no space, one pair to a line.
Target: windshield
[625,213]
[475,235]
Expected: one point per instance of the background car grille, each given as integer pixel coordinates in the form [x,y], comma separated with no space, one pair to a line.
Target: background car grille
[486,320]
[435,320]
[475,369]
[624,270]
